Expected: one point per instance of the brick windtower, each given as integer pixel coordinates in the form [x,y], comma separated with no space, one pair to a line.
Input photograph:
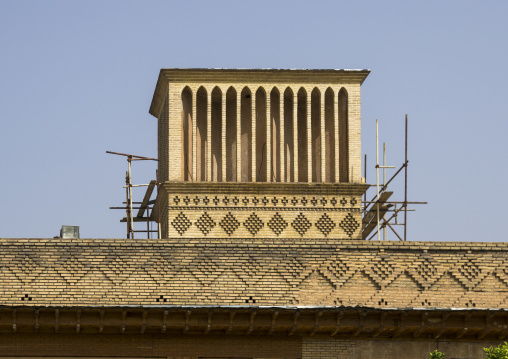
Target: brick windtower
[259,153]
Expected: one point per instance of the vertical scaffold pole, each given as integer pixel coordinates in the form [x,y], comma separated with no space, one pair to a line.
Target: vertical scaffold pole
[365,173]
[131,227]
[405,189]
[377,176]
[127,208]
[384,181]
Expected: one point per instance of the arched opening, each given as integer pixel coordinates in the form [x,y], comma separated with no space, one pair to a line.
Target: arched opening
[246,130]
[343,136]
[261,135]
[315,117]
[201,135]
[275,134]
[187,134]
[302,135]
[216,135]
[329,137]
[289,155]
[231,135]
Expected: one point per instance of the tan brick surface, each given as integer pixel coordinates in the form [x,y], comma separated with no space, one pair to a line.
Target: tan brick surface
[207,210]
[270,271]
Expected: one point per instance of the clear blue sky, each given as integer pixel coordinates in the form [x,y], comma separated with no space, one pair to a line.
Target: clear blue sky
[76,79]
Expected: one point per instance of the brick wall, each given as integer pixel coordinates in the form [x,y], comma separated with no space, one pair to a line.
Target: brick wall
[208,210]
[316,348]
[271,271]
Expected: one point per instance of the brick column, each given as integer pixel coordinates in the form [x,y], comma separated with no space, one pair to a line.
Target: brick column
[239,135]
[295,135]
[253,140]
[355,147]
[209,136]
[281,129]
[223,135]
[323,139]
[268,137]
[194,135]
[309,135]
[336,131]
[175,135]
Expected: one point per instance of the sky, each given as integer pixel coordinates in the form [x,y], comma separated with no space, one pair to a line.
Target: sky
[77,78]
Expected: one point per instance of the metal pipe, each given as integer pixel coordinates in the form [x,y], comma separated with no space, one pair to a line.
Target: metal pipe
[127,201]
[138,185]
[159,234]
[384,181]
[365,173]
[377,175]
[130,196]
[405,189]
[399,202]
[133,157]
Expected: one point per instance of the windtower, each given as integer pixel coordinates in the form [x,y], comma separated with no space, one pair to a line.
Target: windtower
[259,153]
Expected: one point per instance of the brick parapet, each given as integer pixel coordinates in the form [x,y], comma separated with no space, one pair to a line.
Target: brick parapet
[264,271]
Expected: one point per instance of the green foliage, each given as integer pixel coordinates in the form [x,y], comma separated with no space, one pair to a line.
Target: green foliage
[436,355]
[501,352]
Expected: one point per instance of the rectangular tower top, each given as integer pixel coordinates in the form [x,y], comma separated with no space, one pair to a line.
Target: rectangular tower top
[329,76]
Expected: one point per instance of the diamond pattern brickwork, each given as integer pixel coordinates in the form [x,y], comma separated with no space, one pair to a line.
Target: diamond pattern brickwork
[349,225]
[205,223]
[277,224]
[301,224]
[253,224]
[106,272]
[325,224]
[229,224]
[181,223]
[228,215]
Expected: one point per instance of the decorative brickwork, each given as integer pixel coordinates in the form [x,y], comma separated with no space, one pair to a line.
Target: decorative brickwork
[258,210]
[271,271]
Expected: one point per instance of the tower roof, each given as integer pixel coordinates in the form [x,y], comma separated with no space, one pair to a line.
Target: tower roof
[253,75]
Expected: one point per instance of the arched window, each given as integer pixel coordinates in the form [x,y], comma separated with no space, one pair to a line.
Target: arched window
[302,136]
[187,134]
[289,154]
[261,145]
[343,136]
[231,135]
[246,130]
[329,136]
[275,134]
[201,135]
[216,135]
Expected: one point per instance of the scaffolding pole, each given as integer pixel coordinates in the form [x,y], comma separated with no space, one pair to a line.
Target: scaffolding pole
[379,205]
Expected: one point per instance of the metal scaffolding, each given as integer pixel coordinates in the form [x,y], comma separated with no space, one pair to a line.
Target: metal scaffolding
[145,205]
[375,210]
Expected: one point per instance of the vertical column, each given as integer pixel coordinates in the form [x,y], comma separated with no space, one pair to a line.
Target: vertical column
[336,132]
[254,137]
[295,135]
[223,134]
[239,135]
[209,136]
[282,137]
[269,175]
[175,134]
[309,135]
[323,136]
[194,135]
[355,150]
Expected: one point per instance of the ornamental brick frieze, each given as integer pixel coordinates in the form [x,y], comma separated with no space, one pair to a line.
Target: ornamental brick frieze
[262,271]
[262,210]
